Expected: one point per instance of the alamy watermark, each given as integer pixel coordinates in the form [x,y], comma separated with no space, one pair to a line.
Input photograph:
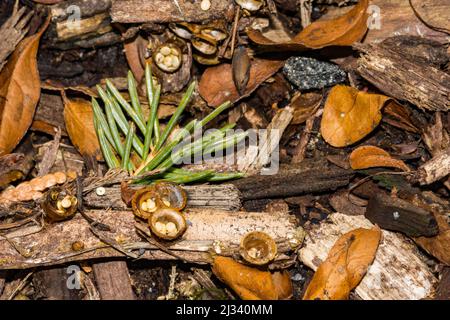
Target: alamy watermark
[74,278]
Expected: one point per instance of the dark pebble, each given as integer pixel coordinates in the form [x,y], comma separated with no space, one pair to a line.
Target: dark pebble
[308,73]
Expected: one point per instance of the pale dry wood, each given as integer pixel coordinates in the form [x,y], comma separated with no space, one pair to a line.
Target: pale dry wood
[209,232]
[223,197]
[163,11]
[397,273]
[434,169]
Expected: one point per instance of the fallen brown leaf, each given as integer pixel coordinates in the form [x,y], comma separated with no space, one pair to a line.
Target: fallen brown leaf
[79,120]
[19,92]
[251,283]
[349,115]
[345,266]
[217,86]
[342,31]
[438,246]
[369,157]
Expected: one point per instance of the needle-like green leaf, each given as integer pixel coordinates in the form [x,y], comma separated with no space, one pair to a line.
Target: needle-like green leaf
[128,142]
[108,153]
[98,113]
[151,122]
[120,119]
[132,90]
[174,119]
[126,106]
[114,131]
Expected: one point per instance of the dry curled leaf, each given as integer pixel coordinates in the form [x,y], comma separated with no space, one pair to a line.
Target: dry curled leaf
[369,157]
[79,120]
[349,115]
[217,86]
[251,283]
[345,266]
[342,31]
[19,92]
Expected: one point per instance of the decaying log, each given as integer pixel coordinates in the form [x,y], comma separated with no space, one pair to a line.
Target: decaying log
[12,31]
[397,273]
[113,280]
[209,232]
[399,215]
[223,197]
[51,284]
[307,177]
[443,289]
[163,11]
[435,169]
[421,84]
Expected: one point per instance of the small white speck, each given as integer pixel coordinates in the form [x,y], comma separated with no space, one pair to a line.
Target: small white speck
[396,215]
[100,191]
[297,277]
[205,5]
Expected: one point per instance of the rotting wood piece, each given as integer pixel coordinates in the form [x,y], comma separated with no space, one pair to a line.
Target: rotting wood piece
[421,84]
[397,273]
[163,11]
[209,232]
[434,169]
[113,280]
[307,177]
[399,215]
[223,197]
[53,284]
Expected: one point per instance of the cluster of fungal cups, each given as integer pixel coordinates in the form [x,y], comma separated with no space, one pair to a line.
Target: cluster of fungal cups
[59,204]
[168,57]
[161,204]
[205,39]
